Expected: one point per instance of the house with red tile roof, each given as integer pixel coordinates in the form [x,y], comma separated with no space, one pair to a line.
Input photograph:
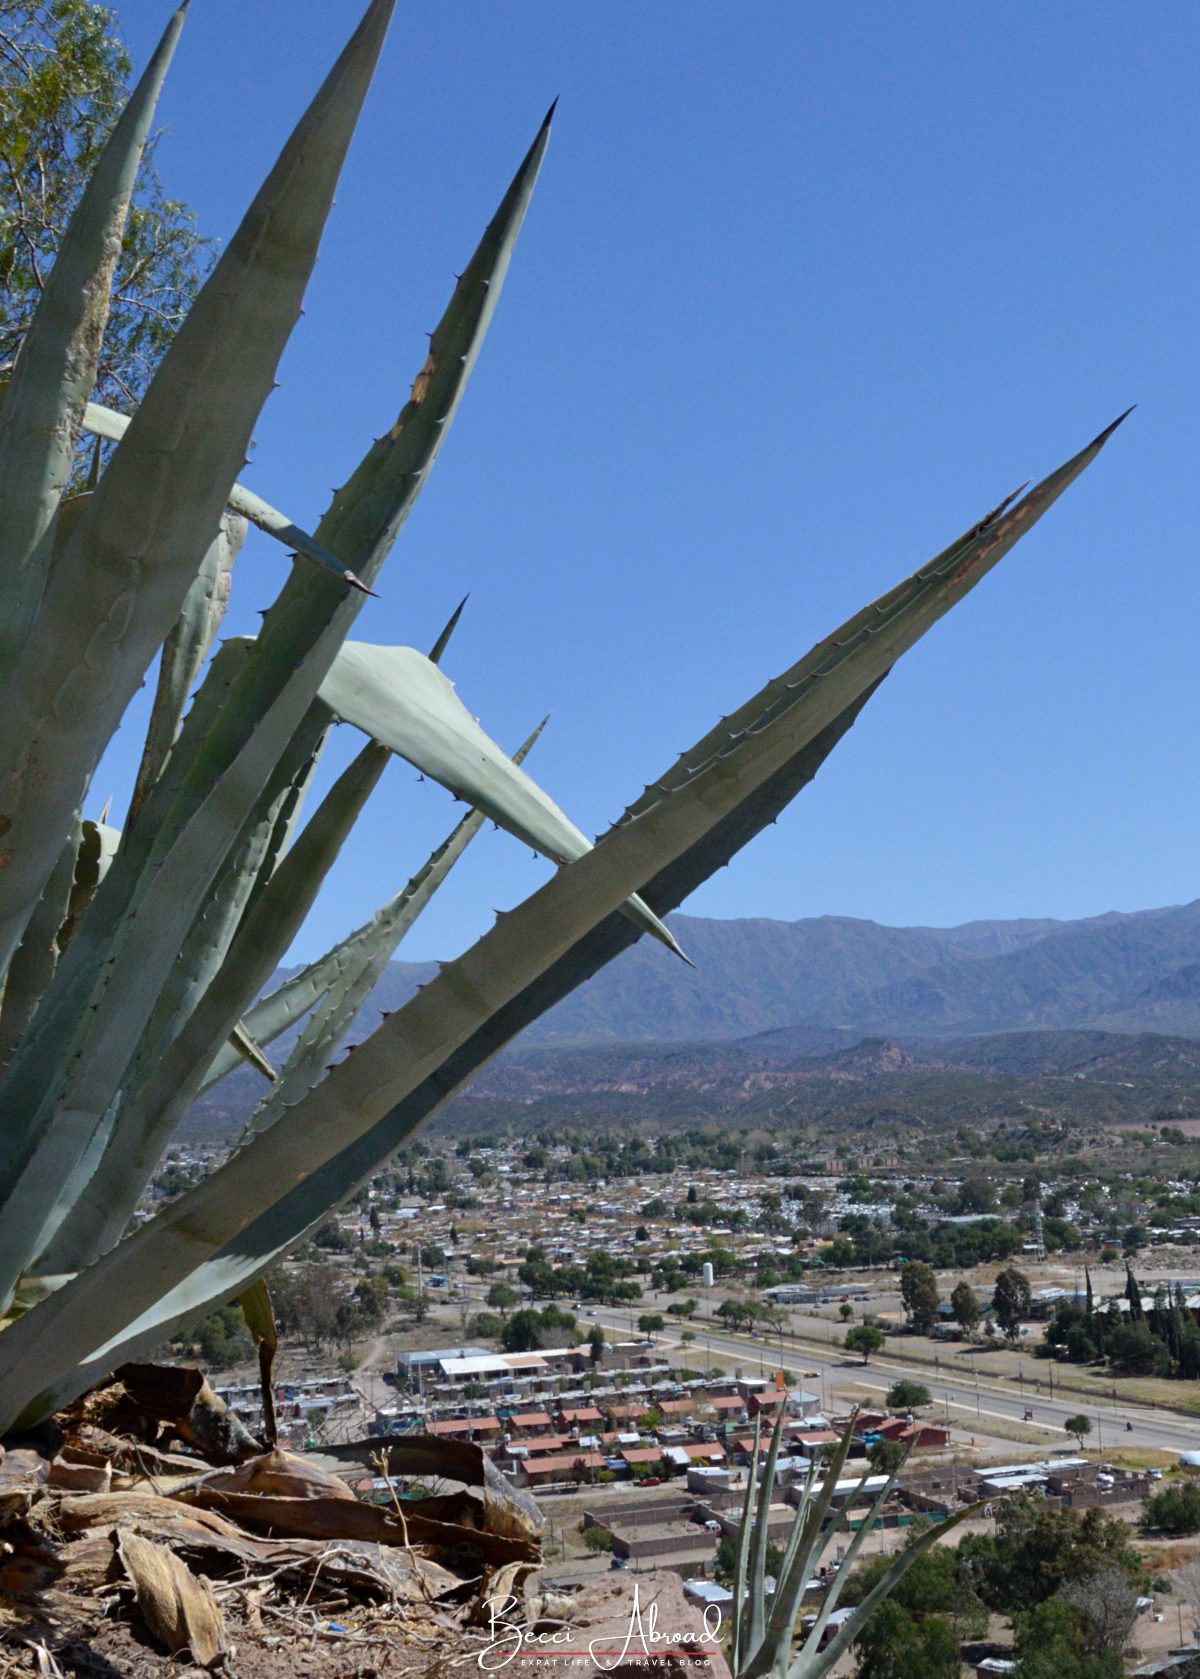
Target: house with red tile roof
[565,1466]
[529,1422]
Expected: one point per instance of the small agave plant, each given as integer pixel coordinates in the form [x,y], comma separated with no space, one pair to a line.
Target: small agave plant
[764,1638]
[135,959]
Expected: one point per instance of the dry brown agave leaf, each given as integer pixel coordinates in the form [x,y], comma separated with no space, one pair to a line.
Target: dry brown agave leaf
[499,1585]
[141,1401]
[68,1474]
[121,1509]
[341,1518]
[502,1508]
[179,1609]
[181,1398]
[277,1475]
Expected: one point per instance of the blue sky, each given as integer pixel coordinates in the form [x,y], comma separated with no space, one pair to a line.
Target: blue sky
[803,291]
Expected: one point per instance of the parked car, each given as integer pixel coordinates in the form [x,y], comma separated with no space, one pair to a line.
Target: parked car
[650,1481]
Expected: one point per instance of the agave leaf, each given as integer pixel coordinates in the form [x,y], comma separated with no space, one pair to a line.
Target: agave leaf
[307,1204]
[56,368]
[809,1538]
[366,953]
[57,1028]
[44,1182]
[183,653]
[757,1595]
[158,1278]
[36,957]
[107,1202]
[402,699]
[741,1566]
[304,629]
[106,422]
[84,862]
[365,959]
[98,846]
[105,1187]
[245,1048]
[273,1014]
[244,715]
[777,1660]
[242,877]
[121,582]
[112,1069]
[814,1665]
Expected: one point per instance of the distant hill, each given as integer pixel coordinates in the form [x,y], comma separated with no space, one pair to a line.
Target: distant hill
[749,976]
[1128,973]
[1080,974]
[1024,999]
[1080,1081]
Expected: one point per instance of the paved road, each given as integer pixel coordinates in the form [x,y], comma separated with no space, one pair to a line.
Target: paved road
[965,1402]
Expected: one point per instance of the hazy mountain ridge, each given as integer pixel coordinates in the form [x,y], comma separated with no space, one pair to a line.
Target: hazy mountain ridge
[816,1006]
[1118,972]
[1079,975]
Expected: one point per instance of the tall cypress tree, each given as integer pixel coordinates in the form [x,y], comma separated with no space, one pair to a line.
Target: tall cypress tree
[1133,1294]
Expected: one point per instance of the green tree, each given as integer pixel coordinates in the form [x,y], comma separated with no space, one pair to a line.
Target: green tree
[737,1314]
[1052,1644]
[503,1297]
[222,1339]
[1035,1551]
[1011,1301]
[651,1322]
[1174,1510]
[975,1196]
[1134,1349]
[332,1238]
[726,1557]
[304,1305]
[63,73]
[1079,1426]
[916,1632]
[907,1395]
[863,1338]
[919,1295]
[896,1645]
[964,1303]
[523,1332]
[885,1455]
[1081,1349]
[370,1297]
[597,1538]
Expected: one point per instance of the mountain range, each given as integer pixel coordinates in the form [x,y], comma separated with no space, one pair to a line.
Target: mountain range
[835,1015]
[1135,972]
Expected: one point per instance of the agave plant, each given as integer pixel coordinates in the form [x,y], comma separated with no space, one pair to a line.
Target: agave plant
[765,1632]
[135,962]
